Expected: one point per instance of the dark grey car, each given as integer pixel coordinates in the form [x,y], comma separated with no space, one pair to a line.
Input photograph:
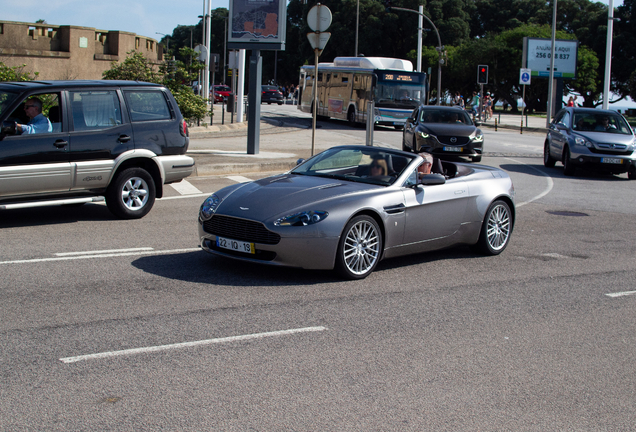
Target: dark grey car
[443,132]
[592,139]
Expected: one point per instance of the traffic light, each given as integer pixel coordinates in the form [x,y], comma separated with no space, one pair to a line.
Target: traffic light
[482,74]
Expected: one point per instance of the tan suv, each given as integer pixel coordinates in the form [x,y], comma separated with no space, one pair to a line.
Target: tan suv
[70,142]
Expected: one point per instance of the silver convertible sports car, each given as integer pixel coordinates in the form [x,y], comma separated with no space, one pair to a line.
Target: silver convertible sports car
[351,206]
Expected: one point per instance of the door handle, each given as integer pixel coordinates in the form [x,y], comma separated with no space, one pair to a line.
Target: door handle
[60,143]
[123,138]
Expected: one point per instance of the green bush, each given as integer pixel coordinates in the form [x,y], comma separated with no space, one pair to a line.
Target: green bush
[15,73]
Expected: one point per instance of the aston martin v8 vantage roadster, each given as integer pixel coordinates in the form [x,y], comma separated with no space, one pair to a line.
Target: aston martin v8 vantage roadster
[351,206]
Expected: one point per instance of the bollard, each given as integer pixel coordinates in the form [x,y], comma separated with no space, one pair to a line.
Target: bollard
[223,114]
[521,130]
[495,125]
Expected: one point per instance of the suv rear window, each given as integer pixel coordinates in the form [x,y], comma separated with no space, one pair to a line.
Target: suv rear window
[147,105]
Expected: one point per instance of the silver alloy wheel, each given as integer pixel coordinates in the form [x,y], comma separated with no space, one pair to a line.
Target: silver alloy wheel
[134,193]
[498,228]
[361,247]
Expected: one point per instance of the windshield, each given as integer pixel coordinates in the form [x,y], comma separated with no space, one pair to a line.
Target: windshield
[222,88]
[601,122]
[6,98]
[455,116]
[373,166]
[393,95]
[269,88]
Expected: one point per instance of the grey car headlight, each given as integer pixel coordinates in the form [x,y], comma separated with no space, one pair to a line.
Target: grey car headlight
[478,138]
[209,206]
[582,142]
[424,135]
[302,218]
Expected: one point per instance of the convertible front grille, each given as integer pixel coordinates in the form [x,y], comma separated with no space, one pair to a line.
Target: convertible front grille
[240,229]
[459,140]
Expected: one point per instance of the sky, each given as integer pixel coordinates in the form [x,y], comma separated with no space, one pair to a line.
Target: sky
[143,17]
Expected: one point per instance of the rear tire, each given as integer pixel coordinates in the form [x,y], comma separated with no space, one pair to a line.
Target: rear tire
[131,194]
[351,117]
[359,248]
[496,229]
[548,160]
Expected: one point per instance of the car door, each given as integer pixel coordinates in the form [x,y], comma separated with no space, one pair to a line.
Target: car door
[434,213]
[99,135]
[558,132]
[36,163]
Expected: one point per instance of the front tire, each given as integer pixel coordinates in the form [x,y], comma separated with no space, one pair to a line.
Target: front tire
[131,194]
[496,229]
[548,160]
[568,167]
[359,248]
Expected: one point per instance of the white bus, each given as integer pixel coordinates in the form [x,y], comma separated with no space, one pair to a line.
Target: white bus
[346,85]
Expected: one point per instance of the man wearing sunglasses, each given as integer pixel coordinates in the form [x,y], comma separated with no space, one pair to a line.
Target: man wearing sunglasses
[38,123]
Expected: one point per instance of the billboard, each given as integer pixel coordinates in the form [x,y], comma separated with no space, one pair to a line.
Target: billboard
[257,24]
[537,55]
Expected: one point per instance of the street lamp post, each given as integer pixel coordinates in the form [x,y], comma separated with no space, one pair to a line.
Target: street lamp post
[440,48]
[167,40]
[608,54]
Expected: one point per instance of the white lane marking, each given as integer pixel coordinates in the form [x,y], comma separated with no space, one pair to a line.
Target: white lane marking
[185,188]
[542,194]
[103,255]
[60,254]
[239,179]
[621,294]
[185,196]
[189,344]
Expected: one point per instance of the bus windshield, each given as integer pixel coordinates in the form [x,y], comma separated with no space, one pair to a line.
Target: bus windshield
[393,95]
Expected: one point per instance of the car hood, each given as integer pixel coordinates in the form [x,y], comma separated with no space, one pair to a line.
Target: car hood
[282,195]
[450,129]
[604,137]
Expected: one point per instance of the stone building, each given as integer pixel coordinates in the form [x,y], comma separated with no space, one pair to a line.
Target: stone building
[61,52]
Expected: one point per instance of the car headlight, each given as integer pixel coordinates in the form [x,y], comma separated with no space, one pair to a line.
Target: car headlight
[302,218]
[209,206]
[478,138]
[424,135]
[582,142]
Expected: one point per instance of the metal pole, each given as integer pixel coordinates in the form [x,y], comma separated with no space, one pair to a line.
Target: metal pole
[420,24]
[357,26]
[370,124]
[608,55]
[551,83]
[313,122]
[523,107]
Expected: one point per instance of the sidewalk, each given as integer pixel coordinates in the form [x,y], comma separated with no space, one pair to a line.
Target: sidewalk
[221,149]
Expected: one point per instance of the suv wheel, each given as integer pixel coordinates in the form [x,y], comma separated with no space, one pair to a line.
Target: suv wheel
[131,194]
[568,167]
[548,160]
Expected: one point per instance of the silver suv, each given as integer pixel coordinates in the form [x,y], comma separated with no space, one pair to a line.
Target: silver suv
[71,142]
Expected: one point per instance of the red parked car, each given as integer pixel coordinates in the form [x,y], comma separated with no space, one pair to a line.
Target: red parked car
[221,92]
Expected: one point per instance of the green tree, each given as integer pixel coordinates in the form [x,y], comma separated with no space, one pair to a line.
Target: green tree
[174,75]
[15,73]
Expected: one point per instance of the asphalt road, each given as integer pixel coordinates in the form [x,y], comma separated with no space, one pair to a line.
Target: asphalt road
[127,325]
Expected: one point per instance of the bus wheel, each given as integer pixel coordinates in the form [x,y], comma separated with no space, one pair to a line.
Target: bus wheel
[351,117]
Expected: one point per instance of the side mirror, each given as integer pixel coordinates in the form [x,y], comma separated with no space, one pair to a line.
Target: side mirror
[432,179]
[299,161]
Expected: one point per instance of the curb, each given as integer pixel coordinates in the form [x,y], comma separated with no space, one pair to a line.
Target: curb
[241,168]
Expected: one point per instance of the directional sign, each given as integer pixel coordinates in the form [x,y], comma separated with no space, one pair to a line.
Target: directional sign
[318,40]
[524,76]
[319,18]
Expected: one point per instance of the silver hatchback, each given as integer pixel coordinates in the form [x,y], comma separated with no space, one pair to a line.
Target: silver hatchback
[593,139]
